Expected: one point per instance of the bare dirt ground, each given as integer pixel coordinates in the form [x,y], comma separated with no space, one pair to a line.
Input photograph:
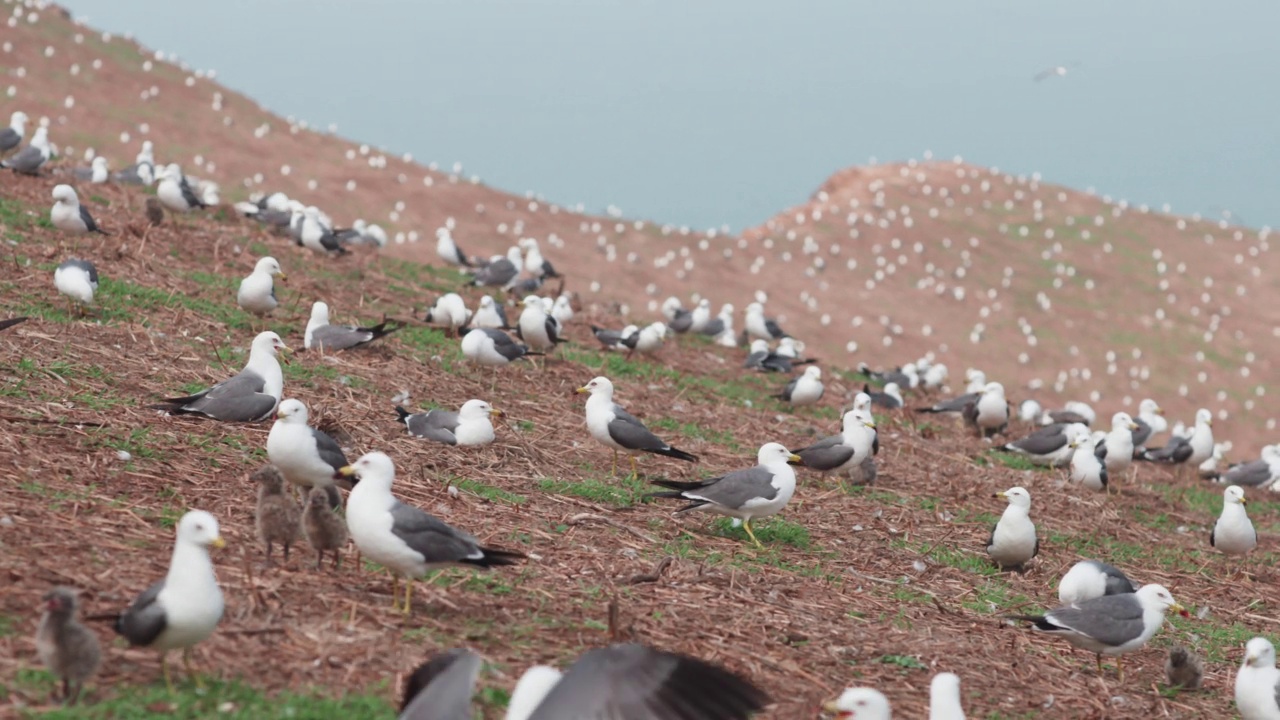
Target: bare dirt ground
[836,597]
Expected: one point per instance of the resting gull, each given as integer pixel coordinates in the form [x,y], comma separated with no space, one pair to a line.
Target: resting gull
[762,359]
[402,538]
[1110,625]
[648,339]
[77,279]
[1191,450]
[320,335]
[307,457]
[859,703]
[66,647]
[449,251]
[1260,473]
[184,608]
[951,405]
[1049,445]
[613,339]
[490,315]
[471,425]
[617,429]
[744,495]
[1013,540]
[501,272]
[1258,682]
[1234,533]
[757,325]
[492,348]
[315,235]
[627,682]
[1089,579]
[31,158]
[889,398]
[806,389]
[257,292]
[845,452]
[11,137]
[97,172]
[1086,468]
[68,214]
[250,396]
[905,377]
[449,311]
[175,192]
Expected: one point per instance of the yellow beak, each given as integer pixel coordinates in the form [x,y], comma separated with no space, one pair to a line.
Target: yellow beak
[1000,494]
[496,412]
[1159,411]
[830,706]
[1243,501]
[1133,426]
[870,423]
[1250,659]
[582,391]
[218,543]
[282,276]
[347,470]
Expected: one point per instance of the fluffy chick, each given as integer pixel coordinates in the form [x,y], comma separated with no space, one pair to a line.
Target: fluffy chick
[155,211]
[70,650]
[1183,668]
[277,516]
[324,528]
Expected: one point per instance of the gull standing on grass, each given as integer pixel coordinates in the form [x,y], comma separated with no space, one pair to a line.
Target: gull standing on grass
[250,396]
[402,538]
[449,311]
[69,215]
[78,280]
[257,294]
[744,495]
[1258,682]
[1116,451]
[184,608]
[989,414]
[322,336]
[1233,534]
[1086,468]
[617,429]
[1110,625]
[536,328]
[1013,540]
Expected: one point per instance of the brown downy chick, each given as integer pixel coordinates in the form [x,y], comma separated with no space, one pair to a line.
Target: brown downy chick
[155,211]
[324,527]
[277,515]
[70,650]
[1183,668]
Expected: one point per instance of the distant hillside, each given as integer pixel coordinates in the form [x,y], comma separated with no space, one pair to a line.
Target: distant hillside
[895,258]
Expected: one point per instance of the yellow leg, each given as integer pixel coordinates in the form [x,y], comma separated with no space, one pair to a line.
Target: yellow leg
[164,670]
[408,595]
[1119,669]
[395,591]
[635,471]
[1099,658]
[186,665]
[614,472]
[746,525]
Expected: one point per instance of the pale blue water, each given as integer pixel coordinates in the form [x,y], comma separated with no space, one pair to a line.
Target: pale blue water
[725,111]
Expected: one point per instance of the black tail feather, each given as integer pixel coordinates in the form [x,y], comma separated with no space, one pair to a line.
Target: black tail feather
[677,454]
[6,324]
[494,557]
[402,413]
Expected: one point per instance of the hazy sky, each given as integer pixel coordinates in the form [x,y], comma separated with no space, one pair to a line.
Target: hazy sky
[726,111]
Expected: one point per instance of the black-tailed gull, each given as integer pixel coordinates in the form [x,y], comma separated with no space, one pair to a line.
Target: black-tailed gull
[402,538]
[492,348]
[77,279]
[184,608]
[97,172]
[276,516]
[1089,579]
[1234,533]
[501,272]
[11,137]
[1086,468]
[307,457]
[257,293]
[31,158]
[175,192]
[944,697]
[804,390]
[844,452]
[1112,625]
[617,429]
[1192,450]
[1049,445]
[66,647]
[1260,473]
[757,325]
[1257,690]
[1116,451]
[322,336]
[612,339]
[250,396]
[990,413]
[449,311]
[441,688]
[889,398]
[1013,540]
[534,263]
[471,425]
[315,235]
[743,495]
[68,214]
[761,358]
[860,703]
[449,251]
[951,405]
[536,328]
[490,315]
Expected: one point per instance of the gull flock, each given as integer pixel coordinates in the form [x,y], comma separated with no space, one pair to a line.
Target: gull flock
[313,489]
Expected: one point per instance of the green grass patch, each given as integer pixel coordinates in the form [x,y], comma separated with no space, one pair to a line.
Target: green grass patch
[622,491]
[488,492]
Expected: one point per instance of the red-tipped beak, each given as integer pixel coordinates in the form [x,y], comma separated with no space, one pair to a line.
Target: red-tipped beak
[1184,613]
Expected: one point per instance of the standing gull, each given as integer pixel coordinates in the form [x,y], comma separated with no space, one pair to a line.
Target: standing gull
[490,315]
[536,328]
[322,336]
[1234,533]
[1089,579]
[471,425]
[501,272]
[990,413]
[1110,625]
[449,311]
[184,608]
[11,137]
[250,396]
[1013,540]
[66,647]
[77,279]
[1116,451]
[402,538]
[617,429]
[257,292]
[1086,468]
[1258,682]
[305,456]
[449,251]
[534,263]
[757,325]
[315,235]
[174,191]
[804,390]
[648,340]
[744,495]
[68,214]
